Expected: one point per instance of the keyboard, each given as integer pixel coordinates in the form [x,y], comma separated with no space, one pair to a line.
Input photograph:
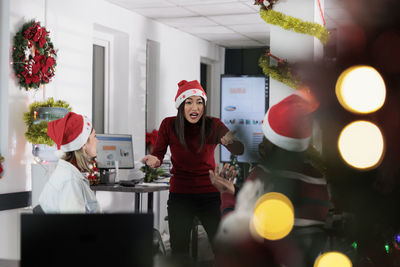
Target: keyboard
[129,183]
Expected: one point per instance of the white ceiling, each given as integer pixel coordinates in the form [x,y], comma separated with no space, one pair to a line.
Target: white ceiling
[229,23]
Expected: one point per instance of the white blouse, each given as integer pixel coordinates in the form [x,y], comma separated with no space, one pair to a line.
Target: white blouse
[68,191]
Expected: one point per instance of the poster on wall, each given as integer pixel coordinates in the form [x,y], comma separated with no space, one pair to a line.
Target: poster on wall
[244,101]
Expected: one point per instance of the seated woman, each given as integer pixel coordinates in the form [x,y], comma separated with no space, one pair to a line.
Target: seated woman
[286,168]
[68,190]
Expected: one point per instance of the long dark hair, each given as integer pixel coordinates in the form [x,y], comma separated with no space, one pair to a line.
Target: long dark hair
[179,126]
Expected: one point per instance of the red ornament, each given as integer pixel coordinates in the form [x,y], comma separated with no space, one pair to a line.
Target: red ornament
[151,139]
[93,175]
[1,167]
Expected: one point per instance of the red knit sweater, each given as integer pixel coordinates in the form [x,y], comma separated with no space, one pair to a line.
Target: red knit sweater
[190,168]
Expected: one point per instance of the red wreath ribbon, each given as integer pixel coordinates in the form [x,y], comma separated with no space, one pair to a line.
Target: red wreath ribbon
[36,34]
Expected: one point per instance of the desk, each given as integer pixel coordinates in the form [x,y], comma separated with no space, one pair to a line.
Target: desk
[9,263]
[138,189]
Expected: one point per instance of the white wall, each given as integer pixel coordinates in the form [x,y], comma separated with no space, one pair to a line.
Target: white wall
[71,25]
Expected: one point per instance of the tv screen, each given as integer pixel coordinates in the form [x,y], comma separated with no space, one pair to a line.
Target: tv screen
[244,102]
[112,148]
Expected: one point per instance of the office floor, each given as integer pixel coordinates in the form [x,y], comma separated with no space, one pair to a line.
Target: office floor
[205,256]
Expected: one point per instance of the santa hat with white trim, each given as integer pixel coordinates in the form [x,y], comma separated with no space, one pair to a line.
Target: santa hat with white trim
[187,89]
[71,132]
[288,124]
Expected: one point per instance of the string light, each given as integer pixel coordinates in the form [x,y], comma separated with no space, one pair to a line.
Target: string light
[387,248]
[273,216]
[361,145]
[332,259]
[361,89]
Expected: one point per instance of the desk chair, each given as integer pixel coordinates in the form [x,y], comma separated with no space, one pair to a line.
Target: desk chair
[158,244]
[38,210]
[195,237]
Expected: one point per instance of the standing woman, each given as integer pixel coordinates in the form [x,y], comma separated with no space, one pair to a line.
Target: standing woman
[192,137]
[68,190]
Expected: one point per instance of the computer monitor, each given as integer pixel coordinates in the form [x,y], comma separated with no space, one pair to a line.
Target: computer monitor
[244,101]
[112,148]
[49,240]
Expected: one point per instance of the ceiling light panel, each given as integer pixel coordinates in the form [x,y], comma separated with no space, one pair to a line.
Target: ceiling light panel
[199,2]
[238,19]
[188,22]
[166,12]
[132,4]
[251,28]
[220,9]
[207,30]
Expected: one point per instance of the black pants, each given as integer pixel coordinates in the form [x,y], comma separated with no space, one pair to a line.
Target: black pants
[182,208]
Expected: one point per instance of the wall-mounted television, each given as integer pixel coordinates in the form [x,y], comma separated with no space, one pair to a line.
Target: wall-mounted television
[244,102]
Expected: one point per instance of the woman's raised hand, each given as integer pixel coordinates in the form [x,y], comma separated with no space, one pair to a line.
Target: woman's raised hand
[228,138]
[223,180]
[151,161]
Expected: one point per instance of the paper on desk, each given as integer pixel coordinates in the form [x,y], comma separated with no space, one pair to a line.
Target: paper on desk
[151,184]
[162,180]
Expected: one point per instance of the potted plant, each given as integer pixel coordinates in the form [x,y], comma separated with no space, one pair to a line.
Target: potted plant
[36,119]
[151,174]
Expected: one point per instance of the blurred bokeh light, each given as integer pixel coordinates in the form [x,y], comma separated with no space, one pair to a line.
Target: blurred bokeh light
[361,145]
[273,216]
[361,89]
[333,259]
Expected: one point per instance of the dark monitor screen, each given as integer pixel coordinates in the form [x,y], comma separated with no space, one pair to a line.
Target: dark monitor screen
[244,101]
[112,148]
[86,240]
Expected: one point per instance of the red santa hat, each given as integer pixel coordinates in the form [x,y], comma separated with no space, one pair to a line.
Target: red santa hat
[187,89]
[288,124]
[71,132]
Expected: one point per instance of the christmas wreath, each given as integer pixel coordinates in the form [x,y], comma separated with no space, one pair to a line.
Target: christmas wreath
[34,56]
[37,132]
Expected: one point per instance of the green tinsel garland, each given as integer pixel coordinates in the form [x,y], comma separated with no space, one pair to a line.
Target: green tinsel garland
[37,133]
[290,23]
[277,74]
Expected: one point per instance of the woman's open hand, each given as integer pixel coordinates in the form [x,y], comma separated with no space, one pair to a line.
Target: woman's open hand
[223,180]
[151,161]
[228,138]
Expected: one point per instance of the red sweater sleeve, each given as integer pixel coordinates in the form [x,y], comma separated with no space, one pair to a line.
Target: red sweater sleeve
[162,141]
[228,202]
[237,147]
